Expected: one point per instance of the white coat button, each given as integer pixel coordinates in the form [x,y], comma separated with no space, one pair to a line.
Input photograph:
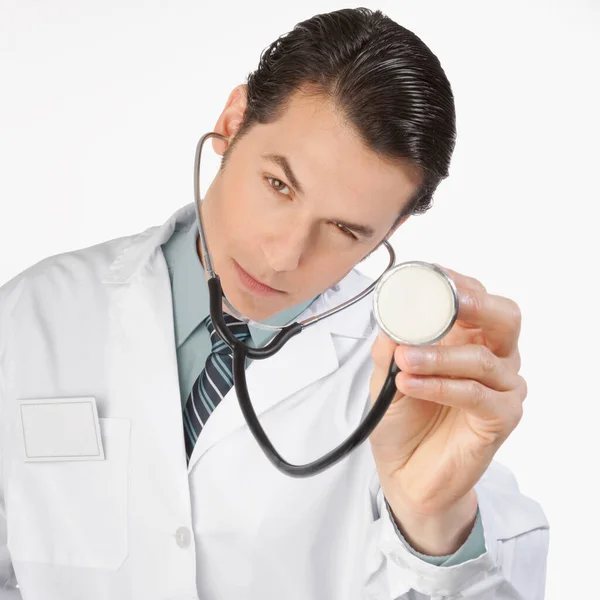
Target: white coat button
[183,536]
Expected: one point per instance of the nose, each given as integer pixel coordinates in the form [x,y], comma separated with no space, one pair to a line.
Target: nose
[284,249]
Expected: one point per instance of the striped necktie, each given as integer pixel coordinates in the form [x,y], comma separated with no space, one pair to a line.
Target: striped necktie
[214,381]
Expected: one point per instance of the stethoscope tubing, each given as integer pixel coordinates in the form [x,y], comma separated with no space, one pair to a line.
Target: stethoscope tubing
[241,351]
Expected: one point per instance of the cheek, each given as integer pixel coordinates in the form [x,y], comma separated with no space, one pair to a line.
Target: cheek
[326,271]
[241,205]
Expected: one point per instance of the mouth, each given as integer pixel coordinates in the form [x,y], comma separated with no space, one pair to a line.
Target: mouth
[253,285]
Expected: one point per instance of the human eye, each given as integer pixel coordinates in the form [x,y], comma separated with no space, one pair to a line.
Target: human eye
[278,186]
[345,231]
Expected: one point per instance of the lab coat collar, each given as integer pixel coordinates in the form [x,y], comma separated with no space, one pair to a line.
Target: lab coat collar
[143,246]
[188,281]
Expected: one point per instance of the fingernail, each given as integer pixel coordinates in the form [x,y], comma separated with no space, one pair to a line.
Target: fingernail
[413,356]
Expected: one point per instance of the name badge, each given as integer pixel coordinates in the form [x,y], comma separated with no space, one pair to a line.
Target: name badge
[59,429]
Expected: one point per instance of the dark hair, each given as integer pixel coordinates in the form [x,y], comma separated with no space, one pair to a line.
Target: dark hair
[386,81]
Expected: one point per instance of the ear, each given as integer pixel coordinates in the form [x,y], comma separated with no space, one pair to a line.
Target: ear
[231,118]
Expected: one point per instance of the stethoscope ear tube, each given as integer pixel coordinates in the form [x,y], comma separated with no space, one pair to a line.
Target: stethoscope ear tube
[362,432]
[216,314]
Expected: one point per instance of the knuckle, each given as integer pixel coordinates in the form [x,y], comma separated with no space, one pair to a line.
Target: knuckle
[476,300]
[523,388]
[516,414]
[515,313]
[515,404]
[477,394]
[487,360]
[480,286]
[437,387]
[517,360]
[519,413]
[436,358]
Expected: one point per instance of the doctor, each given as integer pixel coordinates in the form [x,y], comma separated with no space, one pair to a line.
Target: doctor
[343,131]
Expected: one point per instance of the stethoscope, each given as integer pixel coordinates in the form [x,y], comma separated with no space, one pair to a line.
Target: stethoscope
[415,303]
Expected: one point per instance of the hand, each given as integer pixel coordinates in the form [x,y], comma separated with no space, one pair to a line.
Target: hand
[451,413]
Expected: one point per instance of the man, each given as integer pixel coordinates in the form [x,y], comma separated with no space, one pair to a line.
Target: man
[345,130]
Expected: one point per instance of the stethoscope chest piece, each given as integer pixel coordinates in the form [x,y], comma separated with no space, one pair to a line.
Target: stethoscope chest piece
[416,303]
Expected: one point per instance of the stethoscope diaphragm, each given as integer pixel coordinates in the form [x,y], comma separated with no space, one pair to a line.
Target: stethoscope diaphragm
[416,303]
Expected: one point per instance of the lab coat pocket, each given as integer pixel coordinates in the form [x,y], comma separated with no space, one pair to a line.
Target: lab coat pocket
[72,513]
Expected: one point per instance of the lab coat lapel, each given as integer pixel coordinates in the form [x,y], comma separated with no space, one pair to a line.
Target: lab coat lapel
[142,362]
[306,358]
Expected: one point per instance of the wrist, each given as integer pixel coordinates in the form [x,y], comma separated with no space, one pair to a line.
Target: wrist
[440,533]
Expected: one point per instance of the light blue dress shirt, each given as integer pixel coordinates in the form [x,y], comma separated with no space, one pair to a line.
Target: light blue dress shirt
[190,309]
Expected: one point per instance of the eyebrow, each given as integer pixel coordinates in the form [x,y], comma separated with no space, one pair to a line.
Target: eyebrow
[363,230]
[283,162]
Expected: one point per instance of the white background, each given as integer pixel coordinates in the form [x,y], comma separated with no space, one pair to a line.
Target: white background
[101,105]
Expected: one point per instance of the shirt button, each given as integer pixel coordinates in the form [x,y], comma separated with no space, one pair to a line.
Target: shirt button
[183,537]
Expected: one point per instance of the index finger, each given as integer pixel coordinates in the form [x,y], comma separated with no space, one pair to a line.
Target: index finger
[498,317]
[463,281]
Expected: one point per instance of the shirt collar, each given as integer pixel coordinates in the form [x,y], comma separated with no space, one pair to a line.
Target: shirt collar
[190,290]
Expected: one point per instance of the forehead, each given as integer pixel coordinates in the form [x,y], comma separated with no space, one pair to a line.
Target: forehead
[328,157]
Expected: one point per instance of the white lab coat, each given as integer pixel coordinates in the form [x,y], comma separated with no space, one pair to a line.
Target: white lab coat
[141,525]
